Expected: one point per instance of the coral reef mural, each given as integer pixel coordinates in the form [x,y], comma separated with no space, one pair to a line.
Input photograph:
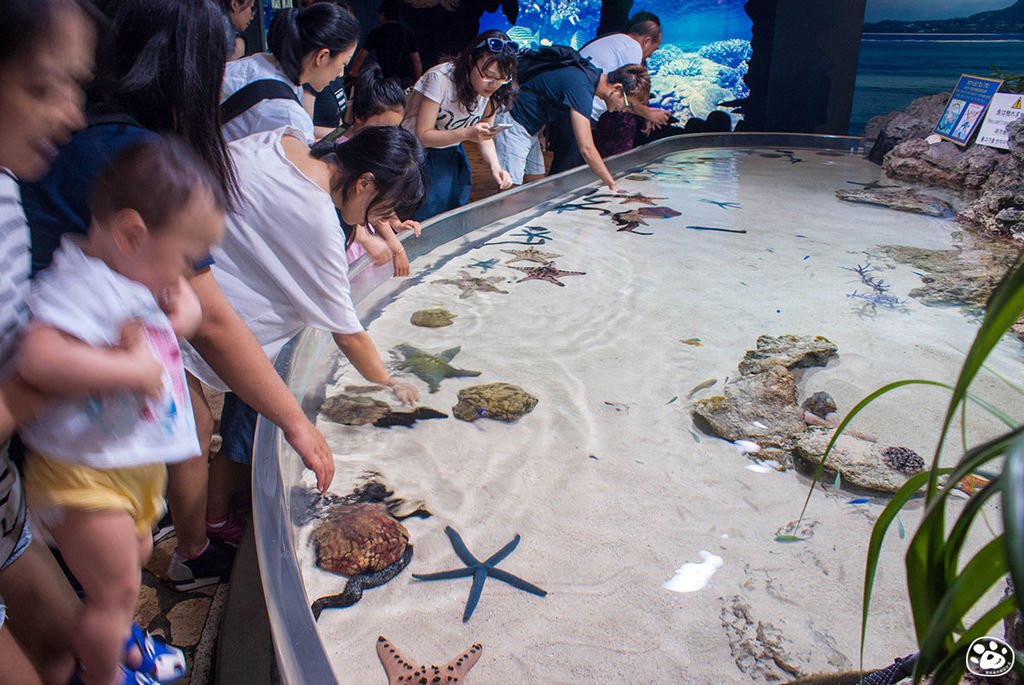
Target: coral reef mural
[703,57]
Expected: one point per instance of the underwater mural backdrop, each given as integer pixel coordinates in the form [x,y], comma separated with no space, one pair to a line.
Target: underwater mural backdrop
[703,57]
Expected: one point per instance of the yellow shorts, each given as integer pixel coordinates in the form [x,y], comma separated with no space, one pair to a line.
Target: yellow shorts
[52,485]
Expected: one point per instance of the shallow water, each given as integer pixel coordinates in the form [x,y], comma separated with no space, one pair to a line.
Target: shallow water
[605,480]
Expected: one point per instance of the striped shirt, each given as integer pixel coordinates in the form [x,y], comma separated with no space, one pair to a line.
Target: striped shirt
[14,270]
[14,288]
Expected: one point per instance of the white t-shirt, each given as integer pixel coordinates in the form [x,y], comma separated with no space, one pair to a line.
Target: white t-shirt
[608,53]
[438,86]
[83,297]
[282,263]
[267,115]
[14,288]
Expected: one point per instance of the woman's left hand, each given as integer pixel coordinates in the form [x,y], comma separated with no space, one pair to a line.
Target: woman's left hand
[503,179]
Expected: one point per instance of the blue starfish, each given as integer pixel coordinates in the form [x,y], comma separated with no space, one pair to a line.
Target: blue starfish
[534,235]
[723,205]
[479,570]
[484,265]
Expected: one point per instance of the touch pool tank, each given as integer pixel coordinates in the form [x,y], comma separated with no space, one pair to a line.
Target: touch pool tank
[654,539]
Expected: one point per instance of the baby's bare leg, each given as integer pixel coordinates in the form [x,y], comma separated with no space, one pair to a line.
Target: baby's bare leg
[102,550]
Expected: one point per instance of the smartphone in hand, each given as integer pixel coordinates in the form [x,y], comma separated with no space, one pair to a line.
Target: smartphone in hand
[500,127]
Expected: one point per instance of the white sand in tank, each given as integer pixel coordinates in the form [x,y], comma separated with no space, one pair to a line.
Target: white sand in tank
[605,481]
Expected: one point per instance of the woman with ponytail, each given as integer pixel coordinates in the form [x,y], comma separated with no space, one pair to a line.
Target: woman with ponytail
[455,102]
[307,45]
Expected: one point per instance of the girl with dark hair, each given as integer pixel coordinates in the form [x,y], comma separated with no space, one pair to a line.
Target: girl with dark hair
[376,101]
[282,264]
[455,102]
[156,52]
[46,55]
[263,92]
[240,14]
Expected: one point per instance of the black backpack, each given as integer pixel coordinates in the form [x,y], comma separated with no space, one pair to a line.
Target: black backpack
[548,57]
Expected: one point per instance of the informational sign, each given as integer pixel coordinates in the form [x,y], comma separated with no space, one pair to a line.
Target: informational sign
[1004,110]
[965,107]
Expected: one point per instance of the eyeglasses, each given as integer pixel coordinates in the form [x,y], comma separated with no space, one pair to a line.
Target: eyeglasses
[499,45]
[490,79]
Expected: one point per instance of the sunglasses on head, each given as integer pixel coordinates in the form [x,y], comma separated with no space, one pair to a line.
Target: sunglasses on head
[498,45]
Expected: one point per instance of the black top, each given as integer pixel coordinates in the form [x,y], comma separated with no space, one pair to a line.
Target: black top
[392,43]
[544,96]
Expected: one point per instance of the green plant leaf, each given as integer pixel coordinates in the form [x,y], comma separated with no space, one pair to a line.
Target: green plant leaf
[958,534]
[1013,514]
[1004,307]
[953,665]
[985,569]
[878,531]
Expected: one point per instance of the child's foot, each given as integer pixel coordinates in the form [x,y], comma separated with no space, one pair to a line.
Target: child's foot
[210,566]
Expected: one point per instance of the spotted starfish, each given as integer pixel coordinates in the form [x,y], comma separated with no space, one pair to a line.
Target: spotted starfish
[628,221]
[530,254]
[401,671]
[548,272]
[470,284]
[480,570]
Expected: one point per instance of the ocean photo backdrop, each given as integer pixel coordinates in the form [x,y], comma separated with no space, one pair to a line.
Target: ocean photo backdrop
[896,68]
[703,57]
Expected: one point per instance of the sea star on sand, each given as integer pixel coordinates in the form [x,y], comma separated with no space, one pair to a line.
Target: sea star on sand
[470,284]
[401,671]
[723,205]
[484,265]
[530,254]
[480,570]
[548,272]
[641,199]
[628,221]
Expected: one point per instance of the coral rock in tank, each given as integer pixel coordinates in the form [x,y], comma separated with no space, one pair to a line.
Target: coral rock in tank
[820,404]
[790,351]
[858,462]
[364,542]
[901,199]
[432,318]
[357,410]
[760,405]
[431,368]
[354,410]
[499,401]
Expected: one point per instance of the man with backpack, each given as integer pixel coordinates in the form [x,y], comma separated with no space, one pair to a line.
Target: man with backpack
[554,80]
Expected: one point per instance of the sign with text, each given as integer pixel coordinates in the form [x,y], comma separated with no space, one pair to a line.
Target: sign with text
[1004,110]
[965,107]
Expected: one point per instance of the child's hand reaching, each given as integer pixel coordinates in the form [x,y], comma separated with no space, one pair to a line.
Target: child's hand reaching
[181,305]
[401,263]
[145,373]
[406,393]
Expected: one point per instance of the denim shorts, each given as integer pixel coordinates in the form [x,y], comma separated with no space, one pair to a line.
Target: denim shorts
[24,540]
[237,429]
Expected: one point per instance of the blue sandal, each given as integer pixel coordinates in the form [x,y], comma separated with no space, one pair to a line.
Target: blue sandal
[130,677]
[161,662]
